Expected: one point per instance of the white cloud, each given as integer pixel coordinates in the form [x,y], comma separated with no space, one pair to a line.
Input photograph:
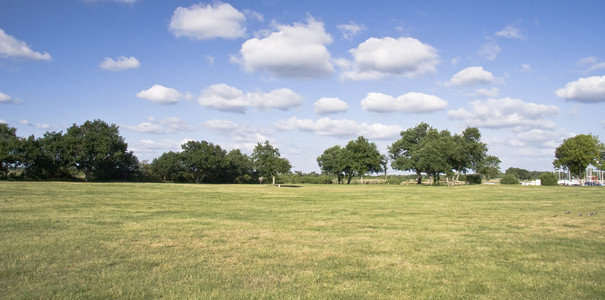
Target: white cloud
[162,95]
[241,134]
[203,22]
[163,126]
[506,112]
[4,98]
[351,29]
[325,106]
[3,121]
[35,125]
[341,128]
[378,58]
[297,51]
[590,64]
[511,32]
[489,50]
[587,90]
[408,103]
[227,98]
[486,93]
[471,76]
[122,63]
[12,47]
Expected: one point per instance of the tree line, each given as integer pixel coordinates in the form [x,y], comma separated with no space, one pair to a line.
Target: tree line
[94,151]
[421,150]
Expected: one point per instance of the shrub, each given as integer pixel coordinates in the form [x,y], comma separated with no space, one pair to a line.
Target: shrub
[548,179]
[509,179]
[474,179]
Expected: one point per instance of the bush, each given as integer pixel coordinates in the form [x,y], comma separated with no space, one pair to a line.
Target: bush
[548,179]
[509,179]
[474,179]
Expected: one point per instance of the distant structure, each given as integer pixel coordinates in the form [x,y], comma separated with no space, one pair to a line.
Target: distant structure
[592,177]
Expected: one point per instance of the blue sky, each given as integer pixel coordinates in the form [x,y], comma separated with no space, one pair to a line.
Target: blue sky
[307,75]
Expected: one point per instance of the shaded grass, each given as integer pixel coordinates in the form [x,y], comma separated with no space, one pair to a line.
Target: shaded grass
[98,241]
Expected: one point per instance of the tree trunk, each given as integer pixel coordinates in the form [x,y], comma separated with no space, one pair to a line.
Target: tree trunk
[418,178]
[273,180]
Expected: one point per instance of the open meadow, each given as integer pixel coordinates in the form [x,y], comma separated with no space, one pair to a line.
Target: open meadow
[142,241]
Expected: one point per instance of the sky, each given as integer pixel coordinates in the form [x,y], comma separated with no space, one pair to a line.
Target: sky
[307,75]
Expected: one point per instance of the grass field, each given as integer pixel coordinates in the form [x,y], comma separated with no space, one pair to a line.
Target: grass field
[142,241]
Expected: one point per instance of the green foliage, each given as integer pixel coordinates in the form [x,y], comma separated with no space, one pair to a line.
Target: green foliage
[362,157]
[489,167]
[474,179]
[509,179]
[403,151]
[333,162]
[8,145]
[267,161]
[578,152]
[201,159]
[548,179]
[520,174]
[98,150]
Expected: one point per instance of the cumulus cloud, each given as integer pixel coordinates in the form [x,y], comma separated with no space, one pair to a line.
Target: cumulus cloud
[4,98]
[587,90]
[163,126]
[471,76]
[350,30]
[122,63]
[511,32]
[230,99]
[485,93]
[203,22]
[506,112]
[297,51]
[378,58]
[162,95]
[12,47]
[325,106]
[408,103]
[239,133]
[341,128]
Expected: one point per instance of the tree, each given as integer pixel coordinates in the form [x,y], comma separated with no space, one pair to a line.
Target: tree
[521,174]
[332,162]
[98,150]
[434,156]
[548,179]
[238,167]
[468,151]
[489,167]
[509,179]
[577,153]
[169,166]
[363,157]
[403,151]
[8,147]
[267,161]
[202,159]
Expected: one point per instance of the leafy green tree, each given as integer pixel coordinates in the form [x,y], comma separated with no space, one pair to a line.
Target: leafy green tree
[202,159]
[577,153]
[509,179]
[403,152]
[267,161]
[468,151]
[44,158]
[521,174]
[549,179]
[8,148]
[168,166]
[332,162]
[239,167]
[434,156]
[98,150]
[362,157]
[489,167]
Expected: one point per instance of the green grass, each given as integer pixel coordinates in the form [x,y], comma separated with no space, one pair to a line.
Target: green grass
[99,241]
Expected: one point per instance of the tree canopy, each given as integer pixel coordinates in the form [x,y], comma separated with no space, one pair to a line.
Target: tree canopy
[577,153]
[267,161]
